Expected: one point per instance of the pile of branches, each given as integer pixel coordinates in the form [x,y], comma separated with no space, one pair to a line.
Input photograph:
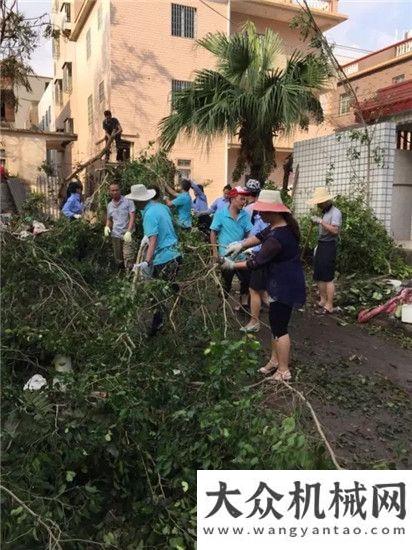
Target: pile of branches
[112,460]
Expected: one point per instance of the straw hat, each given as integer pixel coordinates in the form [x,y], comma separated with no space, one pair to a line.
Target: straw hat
[320,194]
[140,193]
[270,201]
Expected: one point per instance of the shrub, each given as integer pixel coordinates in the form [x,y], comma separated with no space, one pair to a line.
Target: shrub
[364,244]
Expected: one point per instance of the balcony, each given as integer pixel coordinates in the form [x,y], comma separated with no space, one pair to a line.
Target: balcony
[378,60]
[325,11]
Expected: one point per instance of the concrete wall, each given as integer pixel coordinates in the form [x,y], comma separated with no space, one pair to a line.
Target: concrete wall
[24,154]
[340,162]
[401,220]
[28,101]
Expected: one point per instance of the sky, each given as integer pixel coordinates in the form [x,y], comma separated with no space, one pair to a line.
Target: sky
[372,25]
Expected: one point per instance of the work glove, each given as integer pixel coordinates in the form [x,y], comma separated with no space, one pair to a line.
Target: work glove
[144,242]
[107,230]
[233,249]
[226,264]
[145,269]
[77,216]
[316,219]
[248,252]
[127,237]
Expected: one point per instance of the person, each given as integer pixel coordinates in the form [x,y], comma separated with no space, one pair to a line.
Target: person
[120,220]
[329,224]
[183,205]
[163,257]
[200,207]
[232,224]
[257,283]
[110,125]
[285,278]
[73,206]
[221,202]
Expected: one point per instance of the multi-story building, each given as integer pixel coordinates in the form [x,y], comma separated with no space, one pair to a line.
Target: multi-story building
[130,57]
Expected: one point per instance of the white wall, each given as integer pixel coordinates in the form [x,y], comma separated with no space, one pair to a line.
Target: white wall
[401,221]
[29,100]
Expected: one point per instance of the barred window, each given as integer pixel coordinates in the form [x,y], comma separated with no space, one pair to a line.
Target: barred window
[344,103]
[184,168]
[101,91]
[90,110]
[99,17]
[69,126]
[88,44]
[179,86]
[397,79]
[67,77]
[183,21]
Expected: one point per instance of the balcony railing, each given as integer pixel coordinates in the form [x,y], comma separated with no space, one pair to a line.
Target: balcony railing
[402,49]
[322,5]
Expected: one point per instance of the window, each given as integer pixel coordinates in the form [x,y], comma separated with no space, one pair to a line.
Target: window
[56,47]
[344,103]
[179,86]
[88,44]
[69,126]
[184,168]
[3,157]
[67,77]
[49,114]
[397,79]
[99,17]
[183,21]
[58,91]
[101,92]
[46,120]
[67,10]
[90,110]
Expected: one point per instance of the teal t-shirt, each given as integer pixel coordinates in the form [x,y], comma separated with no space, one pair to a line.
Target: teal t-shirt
[228,229]
[183,204]
[157,220]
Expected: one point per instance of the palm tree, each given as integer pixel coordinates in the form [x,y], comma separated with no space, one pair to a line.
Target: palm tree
[254,93]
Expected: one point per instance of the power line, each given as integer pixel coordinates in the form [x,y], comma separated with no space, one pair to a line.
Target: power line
[352,48]
[213,9]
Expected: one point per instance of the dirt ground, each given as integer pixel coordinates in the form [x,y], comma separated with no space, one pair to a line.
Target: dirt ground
[360,386]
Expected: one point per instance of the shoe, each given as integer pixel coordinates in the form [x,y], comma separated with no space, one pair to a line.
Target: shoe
[281,376]
[270,367]
[250,328]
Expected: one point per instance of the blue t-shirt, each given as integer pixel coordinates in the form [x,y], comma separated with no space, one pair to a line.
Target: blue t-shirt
[230,230]
[200,202]
[258,224]
[73,205]
[157,220]
[183,204]
[219,203]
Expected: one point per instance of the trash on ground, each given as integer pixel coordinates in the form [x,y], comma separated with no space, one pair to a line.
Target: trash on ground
[36,382]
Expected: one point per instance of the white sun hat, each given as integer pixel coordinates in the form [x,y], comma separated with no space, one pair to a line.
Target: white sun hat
[140,193]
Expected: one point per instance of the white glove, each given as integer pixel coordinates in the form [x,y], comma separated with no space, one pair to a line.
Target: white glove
[316,219]
[165,198]
[226,264]
[145,269]
[144,241]
[77,216]
[248,252]
[107,230]
[233,249]
[127,237]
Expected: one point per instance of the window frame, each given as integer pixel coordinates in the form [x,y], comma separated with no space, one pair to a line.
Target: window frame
[101,95]
[344,103]
[88,43]
[181,24]
[90,110]
[182,85]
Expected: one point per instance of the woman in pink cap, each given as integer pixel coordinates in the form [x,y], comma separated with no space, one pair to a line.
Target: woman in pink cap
[280,255]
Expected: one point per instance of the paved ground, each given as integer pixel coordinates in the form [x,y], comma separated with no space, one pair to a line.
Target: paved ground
[360,386]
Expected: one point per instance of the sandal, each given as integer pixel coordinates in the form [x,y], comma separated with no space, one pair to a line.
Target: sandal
[280,376]
[270,367]
[323,311]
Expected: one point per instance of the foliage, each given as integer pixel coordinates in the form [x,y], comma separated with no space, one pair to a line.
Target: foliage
[364,244]
[113,459]
[251,95]
[47,168]
[19,37]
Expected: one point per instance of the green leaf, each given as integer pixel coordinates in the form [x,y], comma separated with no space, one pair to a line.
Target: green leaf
[70,475]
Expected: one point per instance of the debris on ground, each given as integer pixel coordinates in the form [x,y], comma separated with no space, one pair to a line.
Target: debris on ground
[392,306]
[35,383]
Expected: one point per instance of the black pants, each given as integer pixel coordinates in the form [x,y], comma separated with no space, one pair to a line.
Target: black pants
[279,317]
[118,142]
[325,261]
[165,272]
[242,274]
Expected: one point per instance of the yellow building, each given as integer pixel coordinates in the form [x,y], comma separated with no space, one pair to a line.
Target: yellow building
[128,56]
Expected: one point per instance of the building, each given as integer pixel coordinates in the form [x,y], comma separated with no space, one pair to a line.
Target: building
[345,161]
[26,145]
[130,57]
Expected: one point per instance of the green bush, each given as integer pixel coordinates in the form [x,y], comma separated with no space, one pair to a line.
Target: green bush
[119,467]
[364,244]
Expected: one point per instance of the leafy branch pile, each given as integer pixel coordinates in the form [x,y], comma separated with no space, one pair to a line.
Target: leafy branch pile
[113,459]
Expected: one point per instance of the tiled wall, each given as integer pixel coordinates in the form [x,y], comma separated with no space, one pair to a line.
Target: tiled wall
[340,163]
